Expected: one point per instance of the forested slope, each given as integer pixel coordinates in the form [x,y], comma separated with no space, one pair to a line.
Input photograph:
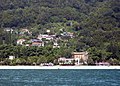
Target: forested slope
[96,23]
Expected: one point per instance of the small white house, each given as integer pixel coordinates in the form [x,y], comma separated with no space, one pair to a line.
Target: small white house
[45,36]
[22,31]
[11,57]
[66,61]
[8,30]
[48,31]
[56,45]
[20,41]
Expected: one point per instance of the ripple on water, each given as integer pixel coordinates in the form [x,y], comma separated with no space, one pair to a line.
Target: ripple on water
[59,77]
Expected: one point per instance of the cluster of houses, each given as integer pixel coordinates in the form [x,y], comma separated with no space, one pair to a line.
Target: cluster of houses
[42,39]
[77,58]
[31,42]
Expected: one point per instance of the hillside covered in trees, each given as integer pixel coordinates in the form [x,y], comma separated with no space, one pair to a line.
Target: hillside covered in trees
[94,23]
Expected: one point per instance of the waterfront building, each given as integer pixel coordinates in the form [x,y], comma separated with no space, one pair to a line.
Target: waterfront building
[80,57]
[102,63]
[77,58]
[66,61]
[11,57]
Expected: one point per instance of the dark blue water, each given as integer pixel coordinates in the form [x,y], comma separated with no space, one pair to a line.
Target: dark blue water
[59,77]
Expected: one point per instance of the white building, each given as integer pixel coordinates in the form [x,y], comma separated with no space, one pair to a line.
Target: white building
[66,61]
[78,58]
[45,36]
[8,30]
[56,45]
[20,41]
[11,57]
[23,31]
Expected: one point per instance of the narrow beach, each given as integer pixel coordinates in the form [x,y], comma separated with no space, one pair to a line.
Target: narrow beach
[59,67]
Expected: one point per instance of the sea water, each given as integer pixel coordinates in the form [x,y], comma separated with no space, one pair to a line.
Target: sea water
[59,77]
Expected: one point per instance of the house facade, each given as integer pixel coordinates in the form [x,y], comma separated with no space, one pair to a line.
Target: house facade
[66,61]
[78,58]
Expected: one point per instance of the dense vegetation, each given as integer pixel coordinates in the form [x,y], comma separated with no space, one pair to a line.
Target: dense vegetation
[95,23]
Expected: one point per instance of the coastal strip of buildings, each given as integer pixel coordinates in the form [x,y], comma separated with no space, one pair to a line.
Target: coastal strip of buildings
[77,58]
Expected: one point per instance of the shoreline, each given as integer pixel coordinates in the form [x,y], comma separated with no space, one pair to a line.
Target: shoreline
[59,67]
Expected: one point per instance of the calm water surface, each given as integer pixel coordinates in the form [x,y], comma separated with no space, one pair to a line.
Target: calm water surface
[59,77]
